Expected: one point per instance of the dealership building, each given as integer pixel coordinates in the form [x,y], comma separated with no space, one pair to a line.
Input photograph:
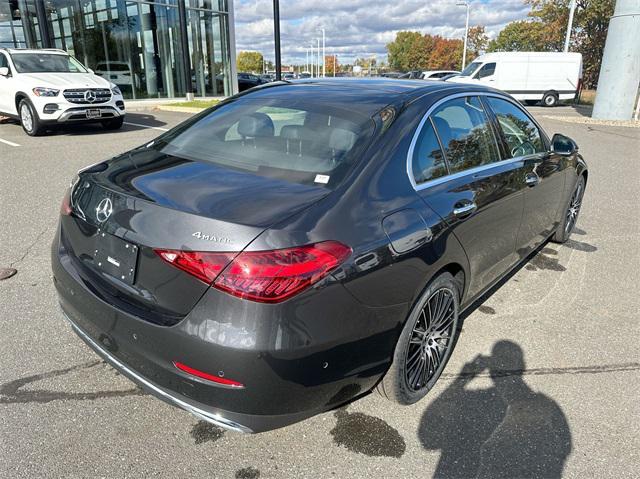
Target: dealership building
[150,49]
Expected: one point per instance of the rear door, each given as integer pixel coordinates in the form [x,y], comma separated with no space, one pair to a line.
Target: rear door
[459,171]
[543,172]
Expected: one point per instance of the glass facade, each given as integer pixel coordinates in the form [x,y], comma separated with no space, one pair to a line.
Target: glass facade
[138,45]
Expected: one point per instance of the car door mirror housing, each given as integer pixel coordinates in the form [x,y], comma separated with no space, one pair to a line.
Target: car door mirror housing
[563,145]
[4,71]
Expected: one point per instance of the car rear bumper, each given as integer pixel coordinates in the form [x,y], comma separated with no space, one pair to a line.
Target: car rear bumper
[291,370]
[214,417]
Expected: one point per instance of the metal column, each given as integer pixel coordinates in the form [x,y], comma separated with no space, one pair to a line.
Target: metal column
[620,71]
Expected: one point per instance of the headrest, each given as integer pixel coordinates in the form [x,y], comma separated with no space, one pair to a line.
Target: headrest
[341,139]
[255,125]
[291,132]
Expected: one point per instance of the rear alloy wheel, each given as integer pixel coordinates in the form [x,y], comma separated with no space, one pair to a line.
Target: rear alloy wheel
[113,124]
[564,230]
[550,99]
[29,118]
[425,344]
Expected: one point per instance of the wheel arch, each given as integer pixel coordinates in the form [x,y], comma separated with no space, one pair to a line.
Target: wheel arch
[20,95]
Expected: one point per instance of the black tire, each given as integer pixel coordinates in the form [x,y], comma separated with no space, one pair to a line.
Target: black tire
[113,124]
[550,99]
[29,120]
[397,384]
[571,212]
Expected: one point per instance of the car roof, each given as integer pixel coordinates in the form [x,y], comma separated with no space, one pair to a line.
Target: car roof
[55,51]
[363,95]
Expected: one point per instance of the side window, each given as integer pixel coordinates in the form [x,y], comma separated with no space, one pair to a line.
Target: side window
[465,134]
[3,61]
[520,132]
[487,70]
[428,161]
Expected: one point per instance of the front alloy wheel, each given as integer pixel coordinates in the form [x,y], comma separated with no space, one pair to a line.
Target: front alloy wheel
[29,119]
[564,230]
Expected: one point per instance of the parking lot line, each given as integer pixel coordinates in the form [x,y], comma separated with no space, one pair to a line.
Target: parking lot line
[7,142]
[146,126]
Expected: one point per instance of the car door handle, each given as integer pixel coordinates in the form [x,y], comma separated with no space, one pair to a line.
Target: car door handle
[531,179]
[464,208]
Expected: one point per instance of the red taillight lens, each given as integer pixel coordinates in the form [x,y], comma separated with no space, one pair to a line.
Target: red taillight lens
[273,276]
[204,266]
[207,376]
[65,207]
[263,276]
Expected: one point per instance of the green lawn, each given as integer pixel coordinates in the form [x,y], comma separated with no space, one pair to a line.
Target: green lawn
[196,103]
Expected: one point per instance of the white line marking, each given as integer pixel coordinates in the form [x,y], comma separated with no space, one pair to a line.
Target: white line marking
[146,126]
[10,143]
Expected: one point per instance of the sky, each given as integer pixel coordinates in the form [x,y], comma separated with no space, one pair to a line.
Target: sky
[359,28]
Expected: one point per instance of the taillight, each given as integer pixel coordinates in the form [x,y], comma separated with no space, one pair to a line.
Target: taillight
[262,276]
[204,266]
[273,276]
[65,207]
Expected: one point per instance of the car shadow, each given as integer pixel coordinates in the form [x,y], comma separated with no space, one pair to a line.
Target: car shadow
[505,430]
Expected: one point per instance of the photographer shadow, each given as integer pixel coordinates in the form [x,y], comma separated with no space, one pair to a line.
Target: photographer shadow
[507,430]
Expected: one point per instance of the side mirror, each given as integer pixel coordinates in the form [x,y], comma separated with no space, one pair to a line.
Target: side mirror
[563,145]
[4,71]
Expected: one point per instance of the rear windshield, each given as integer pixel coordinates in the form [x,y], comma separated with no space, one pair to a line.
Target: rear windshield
[291,139]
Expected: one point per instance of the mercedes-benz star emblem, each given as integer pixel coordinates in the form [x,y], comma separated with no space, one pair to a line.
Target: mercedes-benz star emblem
[90,96]
[104,210]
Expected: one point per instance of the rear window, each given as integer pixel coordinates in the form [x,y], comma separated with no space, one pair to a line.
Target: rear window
[295,140]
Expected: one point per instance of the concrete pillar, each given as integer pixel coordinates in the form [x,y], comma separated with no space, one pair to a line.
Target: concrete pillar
[620,72]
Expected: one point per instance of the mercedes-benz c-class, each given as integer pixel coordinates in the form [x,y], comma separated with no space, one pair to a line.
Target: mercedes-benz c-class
[304,243]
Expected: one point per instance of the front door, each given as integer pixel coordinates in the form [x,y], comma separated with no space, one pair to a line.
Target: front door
[6,89]
[460,173]
[543,175]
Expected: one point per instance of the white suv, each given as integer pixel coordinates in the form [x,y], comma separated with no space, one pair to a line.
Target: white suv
[49,87]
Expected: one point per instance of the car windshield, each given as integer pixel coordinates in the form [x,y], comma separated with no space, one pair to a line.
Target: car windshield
[471,67]
[291,139]
[46,63]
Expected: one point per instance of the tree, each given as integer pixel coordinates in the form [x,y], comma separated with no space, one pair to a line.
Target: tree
[446,54]
[409,51]
[546,30]
[249,62]
[522,36]
[331,61]
[477,41]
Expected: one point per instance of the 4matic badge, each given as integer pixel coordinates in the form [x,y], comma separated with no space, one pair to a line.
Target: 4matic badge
[215,239]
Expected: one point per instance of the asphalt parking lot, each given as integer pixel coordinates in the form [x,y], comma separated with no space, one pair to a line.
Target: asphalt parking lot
[566,325]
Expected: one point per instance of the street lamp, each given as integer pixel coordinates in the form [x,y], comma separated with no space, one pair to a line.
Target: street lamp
[466,33]
[569,26]
[318,59]
[324,54]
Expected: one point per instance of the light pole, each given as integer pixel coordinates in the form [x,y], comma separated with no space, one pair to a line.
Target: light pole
[311,61]
[318,59]
[306,63]
[324,54]
[569,26]
[276,34]
[466,33]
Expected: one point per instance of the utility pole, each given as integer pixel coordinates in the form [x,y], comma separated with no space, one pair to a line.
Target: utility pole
[620,71]
[466,34]
[318,58]
[569,26]
[276,34]
[324,56]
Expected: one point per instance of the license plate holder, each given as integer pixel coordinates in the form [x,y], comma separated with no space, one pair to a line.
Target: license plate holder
[94,113]
[116,257]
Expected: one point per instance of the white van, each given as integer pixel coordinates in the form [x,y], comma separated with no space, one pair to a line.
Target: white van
[528,76]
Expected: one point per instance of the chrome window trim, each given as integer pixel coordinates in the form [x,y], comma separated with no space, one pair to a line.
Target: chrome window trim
[477,169]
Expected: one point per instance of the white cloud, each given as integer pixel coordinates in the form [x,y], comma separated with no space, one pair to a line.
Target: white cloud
[361,27]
